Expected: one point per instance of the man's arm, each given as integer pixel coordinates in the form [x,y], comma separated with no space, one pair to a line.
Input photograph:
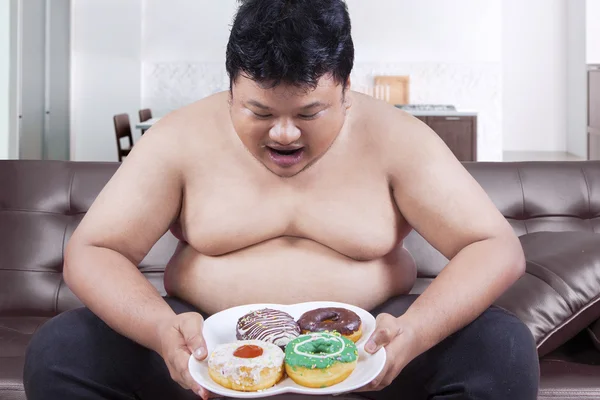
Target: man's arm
[130,214]
[445,204]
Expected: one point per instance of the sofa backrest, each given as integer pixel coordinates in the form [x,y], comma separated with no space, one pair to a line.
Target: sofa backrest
[41,203]
[533,196]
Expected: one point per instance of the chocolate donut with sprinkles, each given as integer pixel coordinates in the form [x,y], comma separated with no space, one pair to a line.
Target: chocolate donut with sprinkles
[269,325]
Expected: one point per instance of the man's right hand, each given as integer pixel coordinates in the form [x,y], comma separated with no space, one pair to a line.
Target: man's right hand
[180,337]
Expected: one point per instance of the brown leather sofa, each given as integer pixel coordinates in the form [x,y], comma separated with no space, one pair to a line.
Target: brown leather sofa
[553,207]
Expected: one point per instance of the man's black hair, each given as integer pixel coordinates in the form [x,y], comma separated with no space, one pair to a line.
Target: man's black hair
[290,41]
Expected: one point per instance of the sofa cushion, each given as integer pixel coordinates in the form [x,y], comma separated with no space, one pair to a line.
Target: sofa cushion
[559,295]
[15,333]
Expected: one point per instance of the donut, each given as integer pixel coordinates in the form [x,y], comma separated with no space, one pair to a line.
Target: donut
[246,366]
[319,360]
[332,319]
[273,326]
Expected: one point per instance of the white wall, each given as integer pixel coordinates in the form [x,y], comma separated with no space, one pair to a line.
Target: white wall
[461,31]
[576,100]
[200,27]
[106,73]
[183,51]
[451,50]
[593,31]
[4,77]
[534,75]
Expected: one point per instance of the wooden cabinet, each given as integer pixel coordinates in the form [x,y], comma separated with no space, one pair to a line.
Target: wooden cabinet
[458,132]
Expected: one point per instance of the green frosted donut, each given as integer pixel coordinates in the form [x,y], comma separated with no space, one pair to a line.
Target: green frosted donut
[320,350]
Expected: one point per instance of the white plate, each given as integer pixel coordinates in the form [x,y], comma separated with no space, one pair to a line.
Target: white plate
[220,328]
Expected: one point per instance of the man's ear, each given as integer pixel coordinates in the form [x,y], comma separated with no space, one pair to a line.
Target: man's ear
[347,88]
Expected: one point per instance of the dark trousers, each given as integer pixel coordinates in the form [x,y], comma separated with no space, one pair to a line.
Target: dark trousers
[77,356]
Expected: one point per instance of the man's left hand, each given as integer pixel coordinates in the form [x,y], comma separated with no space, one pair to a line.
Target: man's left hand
[400,345]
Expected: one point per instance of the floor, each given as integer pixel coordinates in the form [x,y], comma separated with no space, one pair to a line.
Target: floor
[540,156]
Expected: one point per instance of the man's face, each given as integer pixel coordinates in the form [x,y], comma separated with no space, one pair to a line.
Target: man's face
[287,128]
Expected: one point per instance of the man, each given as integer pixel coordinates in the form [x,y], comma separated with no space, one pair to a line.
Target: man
[288,188]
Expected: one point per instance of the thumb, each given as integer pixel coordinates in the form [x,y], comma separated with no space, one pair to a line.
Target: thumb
[191,330]
[386,329]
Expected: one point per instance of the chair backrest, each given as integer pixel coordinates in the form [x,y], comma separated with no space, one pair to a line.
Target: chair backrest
[145,114]
[123,130]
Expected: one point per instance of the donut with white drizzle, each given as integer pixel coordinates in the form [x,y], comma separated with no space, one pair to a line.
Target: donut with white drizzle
[248,365]
[269,325]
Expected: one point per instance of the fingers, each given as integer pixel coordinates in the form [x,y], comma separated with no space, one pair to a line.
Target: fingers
[395,361]
[374,384]
[340,394]
[386,329]
[204,394]
[394,366]
[183,376]
[191,330]
[179,341]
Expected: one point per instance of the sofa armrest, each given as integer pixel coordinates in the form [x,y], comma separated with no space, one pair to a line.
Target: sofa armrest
[559,295]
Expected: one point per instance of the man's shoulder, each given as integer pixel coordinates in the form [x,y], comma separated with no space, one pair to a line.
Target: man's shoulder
[392,128]
[183,137]
[194,123]
[195,118]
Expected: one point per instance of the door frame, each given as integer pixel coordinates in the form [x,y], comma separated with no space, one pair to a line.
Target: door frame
[14,106]
[590,67]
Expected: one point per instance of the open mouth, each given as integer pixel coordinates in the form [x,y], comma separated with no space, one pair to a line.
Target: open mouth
[286,157]
[286,152]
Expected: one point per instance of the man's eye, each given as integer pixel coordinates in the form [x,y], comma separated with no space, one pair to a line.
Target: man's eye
[262,115]
[309,116]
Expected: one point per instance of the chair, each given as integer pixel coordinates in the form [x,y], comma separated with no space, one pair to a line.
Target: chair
[145,115]
[123,130]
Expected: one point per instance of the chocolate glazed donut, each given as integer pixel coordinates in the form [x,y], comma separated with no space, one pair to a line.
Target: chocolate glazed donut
[332,319]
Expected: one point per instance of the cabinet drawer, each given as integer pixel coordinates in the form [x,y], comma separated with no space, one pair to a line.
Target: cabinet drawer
[459,134]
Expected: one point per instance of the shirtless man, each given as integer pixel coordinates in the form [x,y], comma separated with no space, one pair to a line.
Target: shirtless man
[288,188]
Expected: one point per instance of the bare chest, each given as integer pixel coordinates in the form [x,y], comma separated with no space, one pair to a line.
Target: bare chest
[353,215]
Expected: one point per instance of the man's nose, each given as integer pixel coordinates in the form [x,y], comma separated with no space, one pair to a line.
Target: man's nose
[284,132]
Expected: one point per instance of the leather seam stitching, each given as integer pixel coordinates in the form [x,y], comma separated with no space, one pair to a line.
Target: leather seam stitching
[71,190]
[28,270]
[550,286]
[554,393]
[561,215]
[563,295]
[63,263]
[6,328]
[523,203]
[24,210]
[564,323]
[145,270]
[587,185]
[593,337]
[56,295]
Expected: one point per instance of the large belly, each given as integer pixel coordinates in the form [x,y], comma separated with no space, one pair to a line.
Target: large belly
[285,271]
